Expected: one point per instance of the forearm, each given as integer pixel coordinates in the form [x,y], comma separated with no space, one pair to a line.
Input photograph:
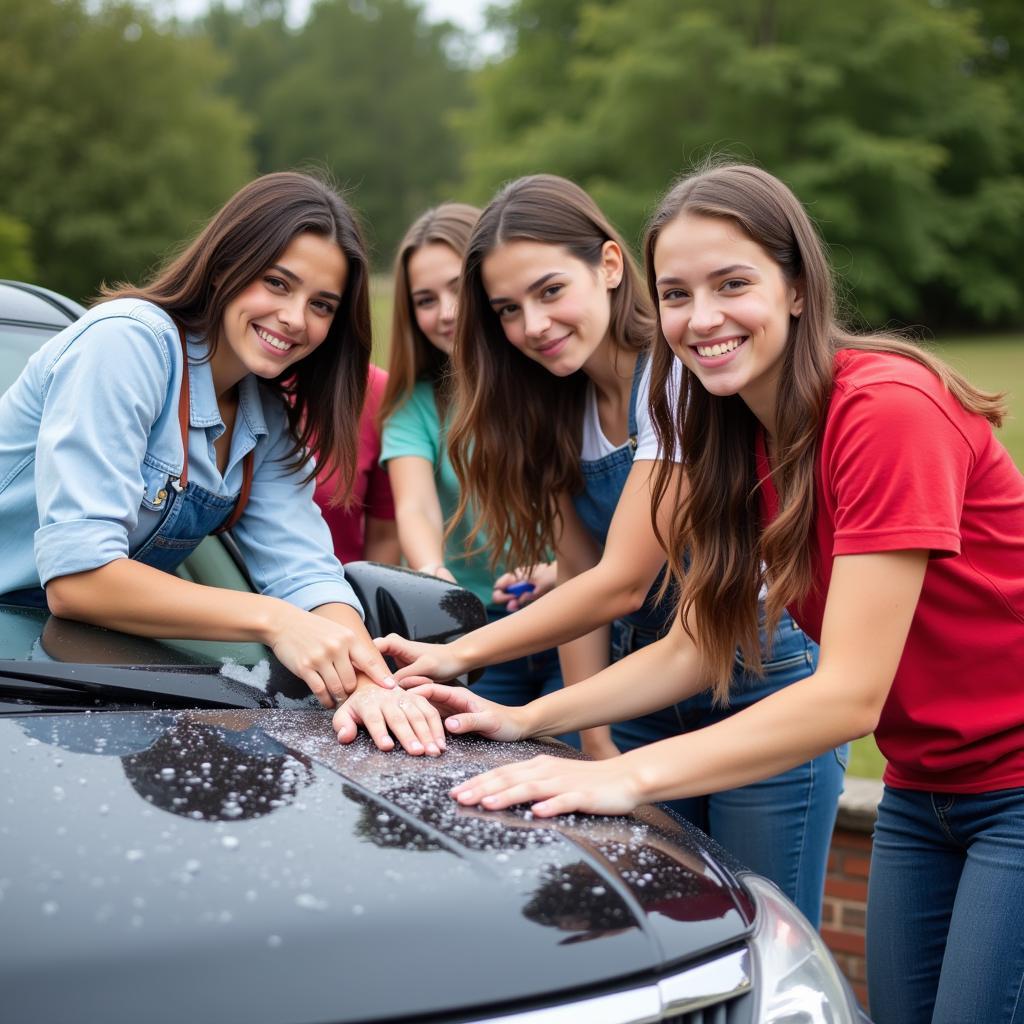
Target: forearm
[420,534]
[135,598]
[575,607]
[652,678]
[344,615]
[763,740]
[581,659]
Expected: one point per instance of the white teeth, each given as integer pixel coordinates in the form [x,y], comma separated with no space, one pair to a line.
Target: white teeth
[281,346]
[708,351]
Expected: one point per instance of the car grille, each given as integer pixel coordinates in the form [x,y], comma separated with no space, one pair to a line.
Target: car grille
[717,991]
[733,1011]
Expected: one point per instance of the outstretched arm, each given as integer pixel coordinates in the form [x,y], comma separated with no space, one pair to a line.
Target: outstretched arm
[654,677]
[616,585]
[870,606]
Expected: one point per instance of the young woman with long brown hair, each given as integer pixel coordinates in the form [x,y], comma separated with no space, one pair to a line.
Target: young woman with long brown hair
[860,479]
[554,448]
[184,407]
[416,412]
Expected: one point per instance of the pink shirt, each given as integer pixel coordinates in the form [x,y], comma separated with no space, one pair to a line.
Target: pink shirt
[371,495]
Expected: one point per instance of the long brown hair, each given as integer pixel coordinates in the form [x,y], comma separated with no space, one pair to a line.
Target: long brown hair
[719,522]
[517,429]
[323,392]
[412,356]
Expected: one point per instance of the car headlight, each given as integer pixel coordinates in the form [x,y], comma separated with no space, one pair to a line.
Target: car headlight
[796,981]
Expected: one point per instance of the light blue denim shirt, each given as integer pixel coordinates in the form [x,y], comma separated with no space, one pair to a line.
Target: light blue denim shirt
[89,436]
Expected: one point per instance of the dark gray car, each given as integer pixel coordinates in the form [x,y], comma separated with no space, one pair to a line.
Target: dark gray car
[183,839]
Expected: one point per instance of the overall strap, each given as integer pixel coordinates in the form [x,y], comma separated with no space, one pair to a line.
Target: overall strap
[183,412]
[638,372]
[183,421]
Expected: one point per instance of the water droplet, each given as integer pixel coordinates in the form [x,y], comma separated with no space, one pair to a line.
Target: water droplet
[358,909]
[308,901]
[229,842]
[58,793]
[134,855]
[50,908]
[273,941]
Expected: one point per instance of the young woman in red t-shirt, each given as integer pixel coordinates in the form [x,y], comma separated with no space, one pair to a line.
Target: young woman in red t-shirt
[859,478]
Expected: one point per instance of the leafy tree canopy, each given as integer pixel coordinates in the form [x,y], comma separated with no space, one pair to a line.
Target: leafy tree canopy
[896,121]
[364,89]
[116,144]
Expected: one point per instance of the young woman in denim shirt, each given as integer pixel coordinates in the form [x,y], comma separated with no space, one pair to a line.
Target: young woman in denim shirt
[185,407]
[554,447]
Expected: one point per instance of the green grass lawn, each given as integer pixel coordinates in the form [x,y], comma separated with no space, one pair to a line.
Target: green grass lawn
[990,361]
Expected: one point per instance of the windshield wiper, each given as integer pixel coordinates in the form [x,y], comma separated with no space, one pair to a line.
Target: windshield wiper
[133,685]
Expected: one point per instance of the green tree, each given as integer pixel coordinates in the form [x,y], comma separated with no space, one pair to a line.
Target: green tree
[15,257]
[367,94]
[116,142]
[883,116]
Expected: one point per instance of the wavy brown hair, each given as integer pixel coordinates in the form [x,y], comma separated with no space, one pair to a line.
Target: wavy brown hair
[517,428]
[719,522]
[323,393]
[413,357]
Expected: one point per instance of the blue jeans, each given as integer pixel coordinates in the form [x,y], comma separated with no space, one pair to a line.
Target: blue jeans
[945,930]
[521,680]
[780,827]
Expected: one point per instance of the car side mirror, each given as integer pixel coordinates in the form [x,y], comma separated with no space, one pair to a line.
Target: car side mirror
[415,605]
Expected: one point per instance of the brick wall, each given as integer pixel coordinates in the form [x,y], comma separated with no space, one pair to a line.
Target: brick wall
[846,883]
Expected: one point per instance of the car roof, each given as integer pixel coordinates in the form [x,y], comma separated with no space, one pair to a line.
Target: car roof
[33,304]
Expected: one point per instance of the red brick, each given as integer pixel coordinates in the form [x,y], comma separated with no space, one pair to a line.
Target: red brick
[856,866]
[860,990]
[829,912]
[843,889]
[833,860]
[846,942]
[845,840]
[852,918]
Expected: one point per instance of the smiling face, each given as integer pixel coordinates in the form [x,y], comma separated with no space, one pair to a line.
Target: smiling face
[284,314]
[552,306]
[433,271]
[725,308]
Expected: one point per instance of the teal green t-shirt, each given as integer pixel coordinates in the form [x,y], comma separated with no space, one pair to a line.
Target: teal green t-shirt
[414,428]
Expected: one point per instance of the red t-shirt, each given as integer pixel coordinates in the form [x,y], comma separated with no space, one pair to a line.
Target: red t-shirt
[371,495]
[904,466]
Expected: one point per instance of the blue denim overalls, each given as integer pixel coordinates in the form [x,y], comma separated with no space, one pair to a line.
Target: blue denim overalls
[191,514]
[781,827]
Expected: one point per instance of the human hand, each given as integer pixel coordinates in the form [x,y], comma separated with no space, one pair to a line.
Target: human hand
[598,744]
[439,662]
[442,572]
[325,654]
[541,578]
[553,785]
[463,711]
[415,723]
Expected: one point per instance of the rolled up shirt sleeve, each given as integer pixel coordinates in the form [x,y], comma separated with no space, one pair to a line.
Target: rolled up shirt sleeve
[283,538]
[102,396]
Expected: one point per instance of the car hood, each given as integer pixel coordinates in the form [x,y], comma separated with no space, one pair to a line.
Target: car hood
[242,865]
